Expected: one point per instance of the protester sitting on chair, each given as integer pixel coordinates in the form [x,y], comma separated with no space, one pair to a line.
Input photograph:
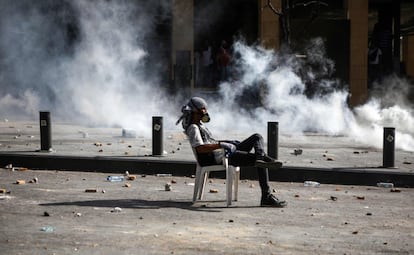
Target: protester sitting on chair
[239,153]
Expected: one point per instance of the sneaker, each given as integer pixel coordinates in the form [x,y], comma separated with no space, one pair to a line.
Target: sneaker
[272,164]
[272,201]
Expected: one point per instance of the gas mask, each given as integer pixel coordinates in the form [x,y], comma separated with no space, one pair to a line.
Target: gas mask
[205,118]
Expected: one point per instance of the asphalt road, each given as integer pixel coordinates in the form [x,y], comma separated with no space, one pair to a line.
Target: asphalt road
[146,219]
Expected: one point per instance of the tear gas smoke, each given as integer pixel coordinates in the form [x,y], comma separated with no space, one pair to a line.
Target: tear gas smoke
[283,98]
[82,60]
[85,61]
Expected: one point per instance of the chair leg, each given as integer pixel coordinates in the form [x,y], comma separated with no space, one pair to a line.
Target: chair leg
[236,183]
[204,177]
[197,184]
[229,184]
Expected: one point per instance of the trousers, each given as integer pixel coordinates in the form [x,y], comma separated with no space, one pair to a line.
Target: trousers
[244,157]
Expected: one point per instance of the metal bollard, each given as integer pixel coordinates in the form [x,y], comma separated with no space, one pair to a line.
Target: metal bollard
[157,141]
[45,131]
[272,139]
[388,150]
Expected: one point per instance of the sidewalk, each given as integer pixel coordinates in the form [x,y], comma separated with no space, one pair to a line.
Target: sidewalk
[327,159]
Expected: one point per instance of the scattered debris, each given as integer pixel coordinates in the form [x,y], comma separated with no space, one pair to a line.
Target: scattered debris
[297,152]
[91,190]
[164,175]
[115,178]
[173,181]
[407,162]
[167,187]
[385,185]
[329,157]
[34,180]
[355,232]
[127,185]
[231,221]
[297,195]
[214,191]
[311,184]
[131,177]
[116,210]
[48,229]
[369,214]
[78,214]
[46,214]
[97,144]
[334,198]
[360,197]
[20,182]
[395,190]
[2,191]
[360,152]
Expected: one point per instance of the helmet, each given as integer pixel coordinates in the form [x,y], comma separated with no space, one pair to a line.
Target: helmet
[196,103]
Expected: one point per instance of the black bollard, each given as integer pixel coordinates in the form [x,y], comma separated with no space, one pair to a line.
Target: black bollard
[45,131]
[272,139]
[157,141]
[388,150]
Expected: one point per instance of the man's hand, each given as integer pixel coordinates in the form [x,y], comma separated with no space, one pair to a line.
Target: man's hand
[228,147]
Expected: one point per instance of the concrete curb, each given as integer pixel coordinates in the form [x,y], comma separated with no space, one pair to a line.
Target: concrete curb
[154,165]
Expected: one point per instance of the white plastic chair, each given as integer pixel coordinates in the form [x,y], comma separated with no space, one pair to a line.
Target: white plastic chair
[201,177]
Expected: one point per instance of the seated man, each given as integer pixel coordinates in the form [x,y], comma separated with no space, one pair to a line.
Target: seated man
[194,113]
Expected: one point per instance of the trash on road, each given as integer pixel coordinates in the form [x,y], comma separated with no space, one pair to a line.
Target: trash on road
[131,177]
[311,184]
[48,229]
[385,185]
[164,175]
[167,187]
[116,210]
[91,190]
[34,180]
[115,178]
[297,152]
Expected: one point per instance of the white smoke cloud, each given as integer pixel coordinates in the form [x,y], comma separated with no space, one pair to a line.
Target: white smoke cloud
[284,100]
[100,78]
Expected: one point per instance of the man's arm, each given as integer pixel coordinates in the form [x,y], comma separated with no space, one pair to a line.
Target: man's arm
[205,148]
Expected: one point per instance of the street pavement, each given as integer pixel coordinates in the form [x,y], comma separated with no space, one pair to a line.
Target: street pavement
[51,211]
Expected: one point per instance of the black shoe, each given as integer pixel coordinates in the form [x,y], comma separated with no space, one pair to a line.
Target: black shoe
[267,158]
[272,201]
[272,165]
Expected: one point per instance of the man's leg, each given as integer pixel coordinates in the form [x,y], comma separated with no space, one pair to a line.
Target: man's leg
[255,142]
[242,158]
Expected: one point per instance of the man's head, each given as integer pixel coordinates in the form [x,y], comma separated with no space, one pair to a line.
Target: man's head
[199,109]
[194,112]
